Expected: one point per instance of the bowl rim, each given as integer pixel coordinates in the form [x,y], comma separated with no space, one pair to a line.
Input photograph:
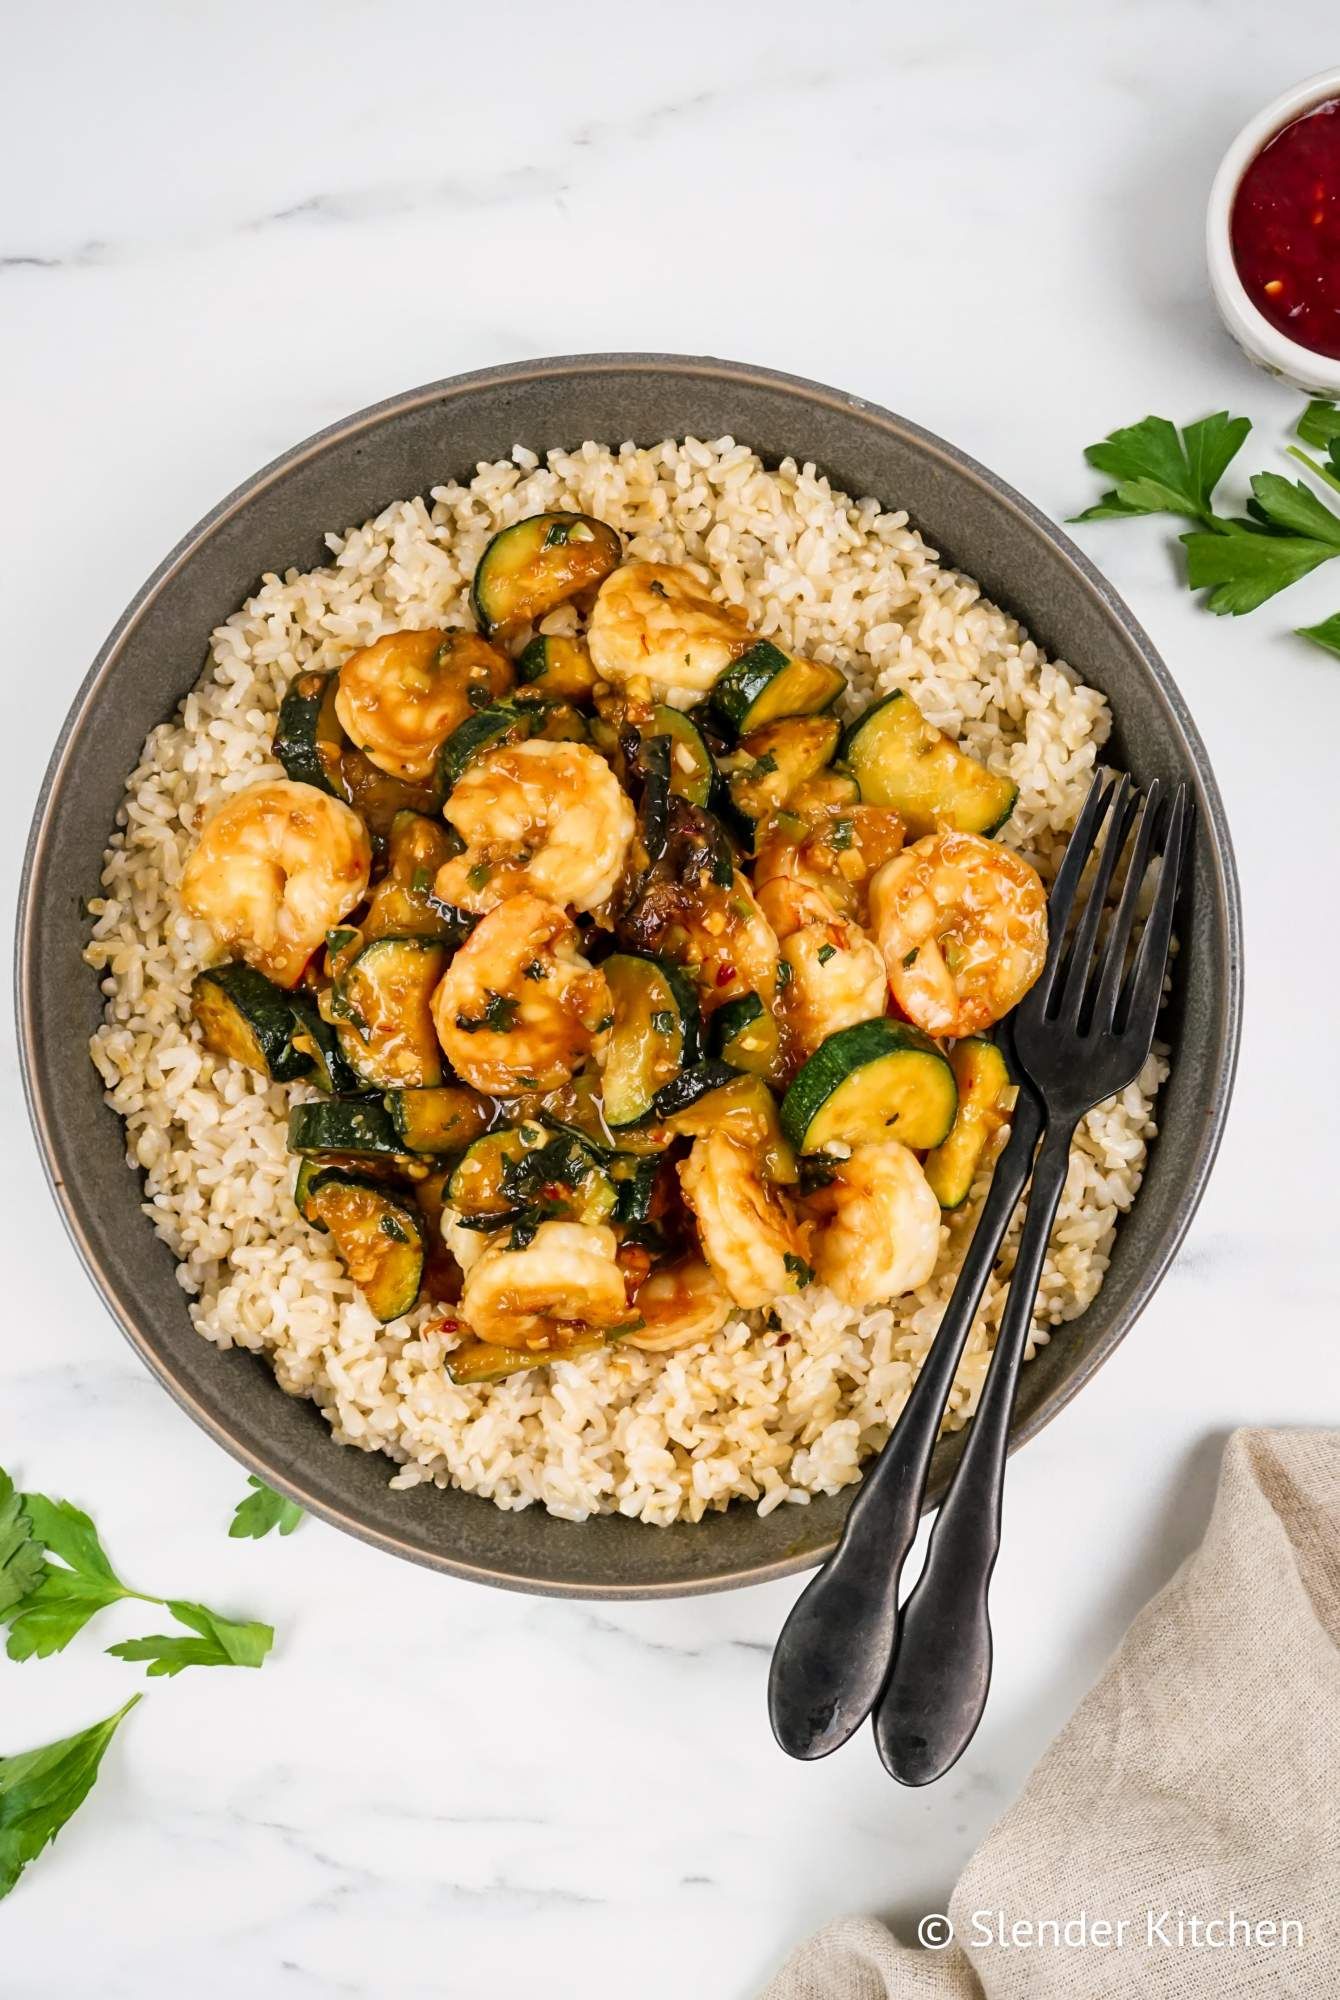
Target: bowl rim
[1225,888]
[1260,339]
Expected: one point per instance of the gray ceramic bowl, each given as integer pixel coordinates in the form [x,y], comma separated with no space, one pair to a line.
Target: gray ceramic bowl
[278,518]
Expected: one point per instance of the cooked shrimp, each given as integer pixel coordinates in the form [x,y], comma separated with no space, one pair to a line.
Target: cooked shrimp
[837,978]
[275,867]
[680,1303]
[719,935]
[551,817]
[878,1232]
[962,924]
[818,861]
[519,1008]
[399,699]
[563,1282]
[656,622]
[751,1234]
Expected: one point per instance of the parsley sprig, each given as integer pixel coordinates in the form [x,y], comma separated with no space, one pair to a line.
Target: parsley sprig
[41,1789]
[262,1510]
[1286,531]
[1160,470]
[55,1575]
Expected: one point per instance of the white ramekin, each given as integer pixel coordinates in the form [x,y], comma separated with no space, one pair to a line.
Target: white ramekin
[1254,333]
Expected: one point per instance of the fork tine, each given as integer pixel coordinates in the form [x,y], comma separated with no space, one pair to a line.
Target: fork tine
[1145,986]
[1081,950]
[1078,849]
[1123,921]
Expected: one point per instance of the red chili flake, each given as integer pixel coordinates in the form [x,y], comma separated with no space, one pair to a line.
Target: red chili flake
[725,974]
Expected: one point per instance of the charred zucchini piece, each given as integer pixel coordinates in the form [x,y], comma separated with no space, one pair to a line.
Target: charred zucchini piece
[767,683]
[692,770]
[747,1035]
[381,1002]
[402,904]
[877,1080]
[776,761]
[442,1119]
[378,1235]
[577,1107]
[246,1018]
[355,1129]
[655,1033]
[316,1038]
[983,1079]
[716,1095]
[899,759]
[480,1361]
[511,721]
[537,564]
[476,1184]
[377,797]
[309,741]
[308,1173]
[558,666]
[526,1170]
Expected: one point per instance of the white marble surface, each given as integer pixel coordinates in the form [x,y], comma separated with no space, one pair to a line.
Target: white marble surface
[220,229]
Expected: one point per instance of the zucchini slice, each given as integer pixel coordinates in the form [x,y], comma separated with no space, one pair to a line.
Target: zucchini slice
[775,761]
[481,1361]
[899,759]
[379,1238]
[983,1078]
[877,1080]
[526,1170]
[442,1119]
[767,683]
[318,1040]
[354,1129]
[748,1036]
[655,1034]
[246,1018]
[692,771]
[402,904]
[558,666]
[309,741]
[577,1108]
[382,1003]
[715,1095]
[508,721]
[529,569]
[308,1172]
[377,797]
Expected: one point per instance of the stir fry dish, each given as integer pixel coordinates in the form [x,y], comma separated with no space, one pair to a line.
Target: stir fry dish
[624,987]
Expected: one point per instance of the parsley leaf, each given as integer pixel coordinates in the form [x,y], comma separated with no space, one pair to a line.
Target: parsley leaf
[222,1642]
[1287,534]
[1327,634]
[1329,472]
[825,952]
[262,1510]
[1159,471]
[62,1599]
[41,1789]
[1320,425]
[802,1272]
[20,1556]
[61,1595]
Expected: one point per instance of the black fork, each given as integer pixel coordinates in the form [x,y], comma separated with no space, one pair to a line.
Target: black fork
[834,1654]
[1079,1036]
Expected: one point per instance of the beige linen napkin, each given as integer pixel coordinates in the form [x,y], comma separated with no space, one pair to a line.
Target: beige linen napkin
[1195,1793]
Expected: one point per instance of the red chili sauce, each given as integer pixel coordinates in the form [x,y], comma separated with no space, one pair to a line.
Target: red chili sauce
[1286,230]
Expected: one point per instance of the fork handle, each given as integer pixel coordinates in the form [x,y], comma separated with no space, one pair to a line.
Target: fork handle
[833,1654]
[936,1692]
